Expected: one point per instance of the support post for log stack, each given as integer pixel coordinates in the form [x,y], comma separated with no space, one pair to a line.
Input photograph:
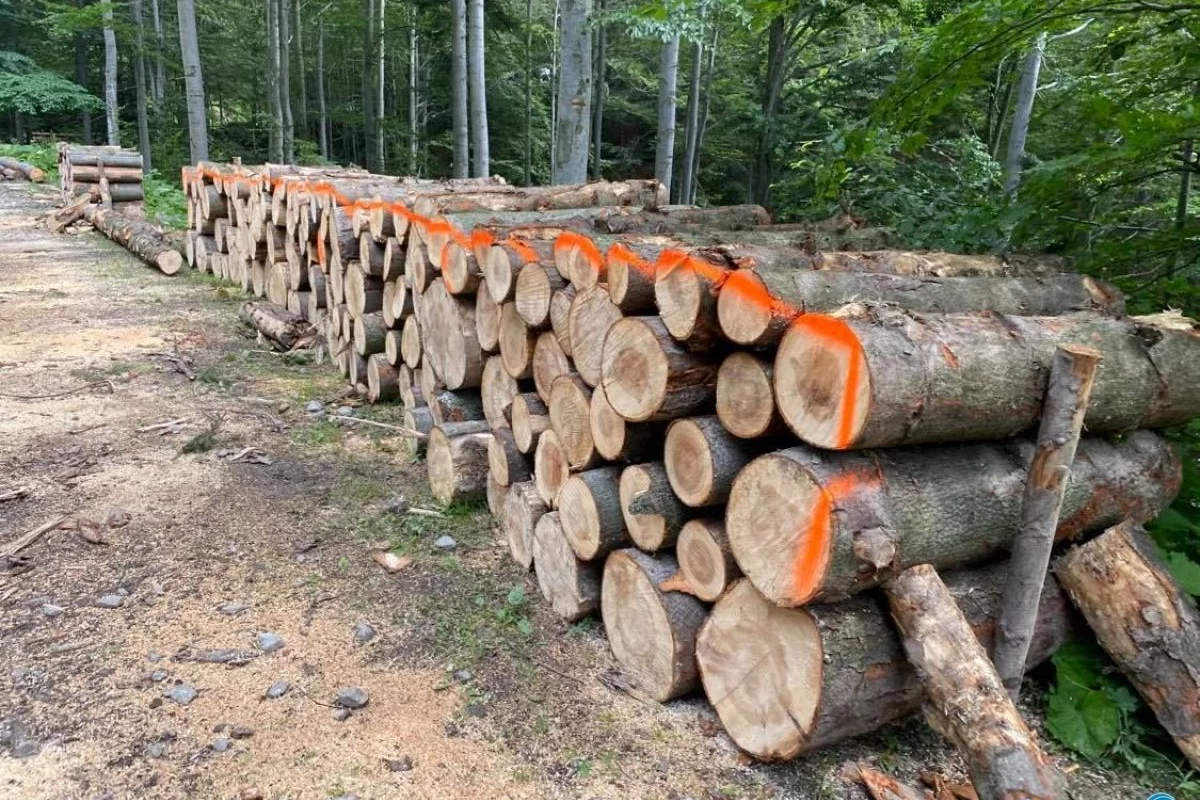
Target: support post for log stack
[1067,393]
[967,702]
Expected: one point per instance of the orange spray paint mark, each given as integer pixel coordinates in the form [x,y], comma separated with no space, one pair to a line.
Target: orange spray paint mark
[480,238]
[523,250]
[811,556]
[836,332]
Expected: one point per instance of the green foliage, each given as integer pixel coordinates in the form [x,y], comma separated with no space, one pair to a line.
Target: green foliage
[514,611]
[26,88]
[165,203]
[1176,531]
[44,157]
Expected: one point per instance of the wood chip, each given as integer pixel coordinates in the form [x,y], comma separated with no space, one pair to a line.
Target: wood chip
[391,562]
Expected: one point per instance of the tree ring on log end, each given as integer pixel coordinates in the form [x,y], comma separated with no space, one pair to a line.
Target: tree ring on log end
[822,385]
[635,370]
[636,621]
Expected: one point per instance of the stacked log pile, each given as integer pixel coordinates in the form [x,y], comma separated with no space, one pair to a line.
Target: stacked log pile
[723,435]
[13,169]
[107,174]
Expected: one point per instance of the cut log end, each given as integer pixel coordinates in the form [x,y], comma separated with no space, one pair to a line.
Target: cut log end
[822,385]
[571,586]
[705,561]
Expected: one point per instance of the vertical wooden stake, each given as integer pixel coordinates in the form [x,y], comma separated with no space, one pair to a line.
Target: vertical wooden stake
[1070,385]
[966,700]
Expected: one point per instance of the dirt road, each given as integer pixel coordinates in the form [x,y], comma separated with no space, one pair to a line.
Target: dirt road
[135,641]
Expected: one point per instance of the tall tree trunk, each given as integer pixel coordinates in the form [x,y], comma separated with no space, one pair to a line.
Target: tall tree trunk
[574,94]
[476,68]
[81,72]
[368,82]
[668,75]
[193,81]
[274,91]
[776,72]
[304,133]
[598,114]
[1026,94]
[139,81]
[285,80]
[555,82]
[703,126]
[528,92]
[692,131]
[458,88]
[158,82]
[322,117]
[1185,184]
[112,126]
[413,62]
[381,82]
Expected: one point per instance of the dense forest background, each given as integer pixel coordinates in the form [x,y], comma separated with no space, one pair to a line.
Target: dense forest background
[1063,126]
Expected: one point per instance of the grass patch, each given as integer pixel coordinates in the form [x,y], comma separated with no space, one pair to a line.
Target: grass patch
[319,434]
[200,443]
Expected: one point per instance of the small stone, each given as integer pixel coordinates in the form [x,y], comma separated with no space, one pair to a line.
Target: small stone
[156,702]
[445,543]
[123,592]
[154,658]
[233,608]
[341,714]
[464,676]
[26,748]
[182,694]
[158,676]
[363,632]
[401,764]
[156,750]
[397,504]
[278,689]
[116,517]
[250,794]
[345,411]
[221,744]
[111,601]
[476,710]
[169,735]
[219,727]
[269,642]
[314,407]
[352,697]
[52,611]
[241,732]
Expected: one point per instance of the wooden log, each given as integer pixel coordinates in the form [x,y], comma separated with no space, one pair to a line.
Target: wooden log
[138,237]
[816,526]
[1145,621]
[458,465]
[507,464]
[570,404]
[276,323]
[410,343]
[77,157]
[117,192]
[389,298]
[671,218]
[522,510]
[549,362]
[517,343]
[391,348]
[487,321]
[530,419]
[497,389]
[27,170]
[429,381]
[757,307]
[364,293]
[702,459]
[630,273]
[644,193]
[790,681]
[504,259]
[653,514]
[497,496]
[418,418]
[618,440]
[571,586]
[650,377]
[460,271]
[450,341]
[1071,375]
[369,331]
[550,469]
[370,256]
[449,406]
[276,280]
[393,259]
[591,316]
[706,562]
[883,377]
[358,371]
[560,312]
[382,382]
[418,268]
[113,174]
[536,285]
[746,396]
[967,701]
[403,301]
[686,287]
[652,633]
[589,510]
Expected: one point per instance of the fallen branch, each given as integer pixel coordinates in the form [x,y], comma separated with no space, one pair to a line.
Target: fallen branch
[14,494]
[17,545]
[111,388]
[397,428]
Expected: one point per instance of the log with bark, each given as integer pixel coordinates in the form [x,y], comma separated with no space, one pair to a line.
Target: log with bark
[450,341]
[458,462]
[615,439]
[535,287]
[642,193]
[138,236]
[529,418]
[497,389]
[746,396]
[382,383]
[591,316]
[882,377]
[789,681]
[487,321]
[968,703]
[702,459]
[653,514]
[550,470]
[522,510]
[589,510]
[29,171]
[116,193]
[652,632]
[706,561]
[287,331]
[506,464]
[1145,621]
[648,376]
[549,362]
[572,586]
[811,525]
[517,343]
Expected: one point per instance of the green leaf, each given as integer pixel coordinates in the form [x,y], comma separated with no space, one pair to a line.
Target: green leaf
[1087,723]
[1185,571]
[1076,666]
[525,626]
[516,596]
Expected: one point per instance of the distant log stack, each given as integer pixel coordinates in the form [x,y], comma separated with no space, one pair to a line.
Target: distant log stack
[111,175]
[655,402]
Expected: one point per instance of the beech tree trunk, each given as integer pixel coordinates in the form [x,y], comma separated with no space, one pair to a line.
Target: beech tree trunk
[158,83]
[478,89]
[1145,621]
[573,125]
[458,88]
[652,633]
[887,377]
[811,525]
[601,64]
[322,115]
[967,701]
[1026,94]
[139,80]
[111,119]
[283,20]
[691,132]
[789,681]
[668,73]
